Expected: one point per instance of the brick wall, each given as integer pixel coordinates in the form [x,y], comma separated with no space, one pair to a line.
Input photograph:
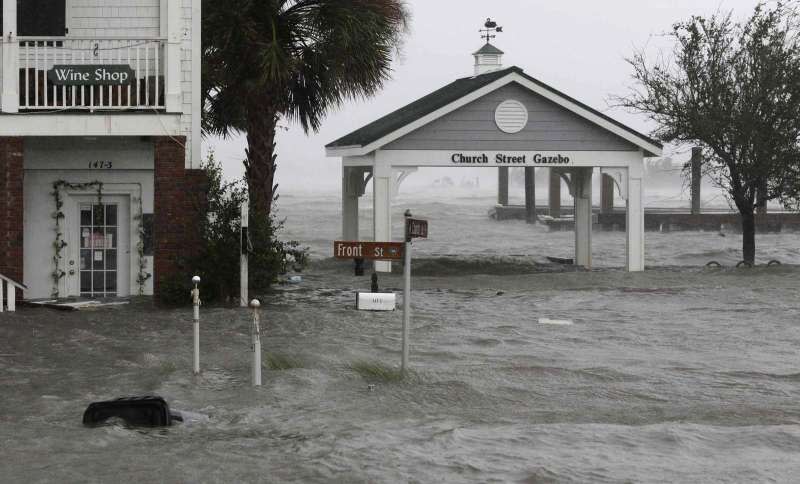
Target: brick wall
[177,206]
[11,207]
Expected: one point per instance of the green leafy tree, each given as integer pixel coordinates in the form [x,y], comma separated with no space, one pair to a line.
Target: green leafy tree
[734,89]
[266,61]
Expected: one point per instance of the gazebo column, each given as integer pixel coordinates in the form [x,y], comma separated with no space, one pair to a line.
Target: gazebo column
[352,189]
[382,186]
[554,193]
[634,223]
[582,191]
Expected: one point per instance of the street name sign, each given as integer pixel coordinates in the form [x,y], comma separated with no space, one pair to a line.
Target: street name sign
[416,229]
[368,250]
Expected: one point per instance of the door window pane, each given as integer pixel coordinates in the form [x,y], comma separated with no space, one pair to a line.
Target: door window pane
[99,215]
[99,282]
[111,238]
[111,260]
[86,281]
[86,215]
[86,259]
[98,239]
[111,281]
[111,215]
[86,238]
[98,260]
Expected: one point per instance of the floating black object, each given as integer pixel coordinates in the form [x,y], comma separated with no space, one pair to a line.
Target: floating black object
[561,260]
[146,411]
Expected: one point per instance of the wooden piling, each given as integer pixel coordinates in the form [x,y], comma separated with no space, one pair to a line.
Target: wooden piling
[554,194]
[502,186]
[530,195]
[697,175]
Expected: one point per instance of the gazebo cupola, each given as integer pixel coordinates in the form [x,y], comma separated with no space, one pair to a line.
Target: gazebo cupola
[488,58]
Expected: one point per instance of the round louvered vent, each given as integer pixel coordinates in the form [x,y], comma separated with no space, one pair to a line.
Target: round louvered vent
[511,116]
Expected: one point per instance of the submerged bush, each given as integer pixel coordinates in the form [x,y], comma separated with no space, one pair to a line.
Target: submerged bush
[278,361]
[372,371]
[217,258]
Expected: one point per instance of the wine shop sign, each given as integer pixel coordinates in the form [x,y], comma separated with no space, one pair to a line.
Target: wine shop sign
[91,75]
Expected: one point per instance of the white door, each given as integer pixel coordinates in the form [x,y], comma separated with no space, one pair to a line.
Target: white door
[100,256]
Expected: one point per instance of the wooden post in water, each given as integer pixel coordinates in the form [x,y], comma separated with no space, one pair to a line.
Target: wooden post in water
[502,186]
[697,175]
[607,194]
[554,194]
[530,195]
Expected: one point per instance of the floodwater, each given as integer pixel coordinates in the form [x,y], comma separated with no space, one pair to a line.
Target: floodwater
[678,374]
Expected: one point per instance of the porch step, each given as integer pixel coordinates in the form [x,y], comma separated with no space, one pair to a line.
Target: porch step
[75,305]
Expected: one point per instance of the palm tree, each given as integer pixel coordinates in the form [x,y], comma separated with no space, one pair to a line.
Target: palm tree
[270,60]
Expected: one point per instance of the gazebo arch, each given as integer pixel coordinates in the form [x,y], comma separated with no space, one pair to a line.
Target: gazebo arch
[497,118]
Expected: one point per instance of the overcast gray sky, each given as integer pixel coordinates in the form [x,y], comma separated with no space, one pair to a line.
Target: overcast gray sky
[576,46]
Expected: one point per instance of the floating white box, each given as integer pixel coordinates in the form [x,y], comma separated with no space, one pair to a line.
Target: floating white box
[376,301]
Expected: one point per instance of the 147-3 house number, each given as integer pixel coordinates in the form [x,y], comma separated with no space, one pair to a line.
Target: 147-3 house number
[100,165]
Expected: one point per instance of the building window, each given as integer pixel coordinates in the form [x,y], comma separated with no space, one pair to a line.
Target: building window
[40,18]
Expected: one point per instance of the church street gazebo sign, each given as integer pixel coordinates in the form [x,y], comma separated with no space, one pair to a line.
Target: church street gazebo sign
[544,159]
[91,75]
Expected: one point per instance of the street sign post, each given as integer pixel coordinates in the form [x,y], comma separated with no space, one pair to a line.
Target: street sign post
[415,228]
[390,251]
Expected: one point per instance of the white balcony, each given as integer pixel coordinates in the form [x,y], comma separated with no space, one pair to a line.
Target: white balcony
[40,90]
[156,45]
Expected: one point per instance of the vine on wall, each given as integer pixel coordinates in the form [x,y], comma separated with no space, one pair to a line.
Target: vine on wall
[60,243]
[143,275]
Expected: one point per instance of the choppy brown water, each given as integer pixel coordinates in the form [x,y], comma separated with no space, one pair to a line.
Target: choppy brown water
[678,374]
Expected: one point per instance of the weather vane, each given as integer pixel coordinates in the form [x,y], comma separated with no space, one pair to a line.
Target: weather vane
[491,29]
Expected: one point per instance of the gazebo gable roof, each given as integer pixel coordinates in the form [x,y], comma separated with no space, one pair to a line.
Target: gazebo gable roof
[419,113]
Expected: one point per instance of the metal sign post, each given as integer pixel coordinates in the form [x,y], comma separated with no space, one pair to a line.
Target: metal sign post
[415,228]
[245,250]
[256,346]
[406,296]
[196,326]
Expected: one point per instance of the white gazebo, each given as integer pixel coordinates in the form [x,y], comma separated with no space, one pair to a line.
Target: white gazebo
[499,117]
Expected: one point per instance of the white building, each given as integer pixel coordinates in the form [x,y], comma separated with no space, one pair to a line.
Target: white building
[99,143]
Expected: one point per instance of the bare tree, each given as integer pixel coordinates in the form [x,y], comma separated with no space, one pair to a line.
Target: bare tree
[734,89]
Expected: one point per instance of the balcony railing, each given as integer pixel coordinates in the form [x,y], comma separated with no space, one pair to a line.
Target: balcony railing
[38,91]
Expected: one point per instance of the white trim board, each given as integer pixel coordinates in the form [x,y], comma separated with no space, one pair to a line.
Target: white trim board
[479,93]
[91,125]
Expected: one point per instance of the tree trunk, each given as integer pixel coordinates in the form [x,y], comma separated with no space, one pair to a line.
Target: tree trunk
[748,237]
[260,164]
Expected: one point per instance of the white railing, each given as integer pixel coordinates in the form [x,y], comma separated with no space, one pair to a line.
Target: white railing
[38,55]
[9,288]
